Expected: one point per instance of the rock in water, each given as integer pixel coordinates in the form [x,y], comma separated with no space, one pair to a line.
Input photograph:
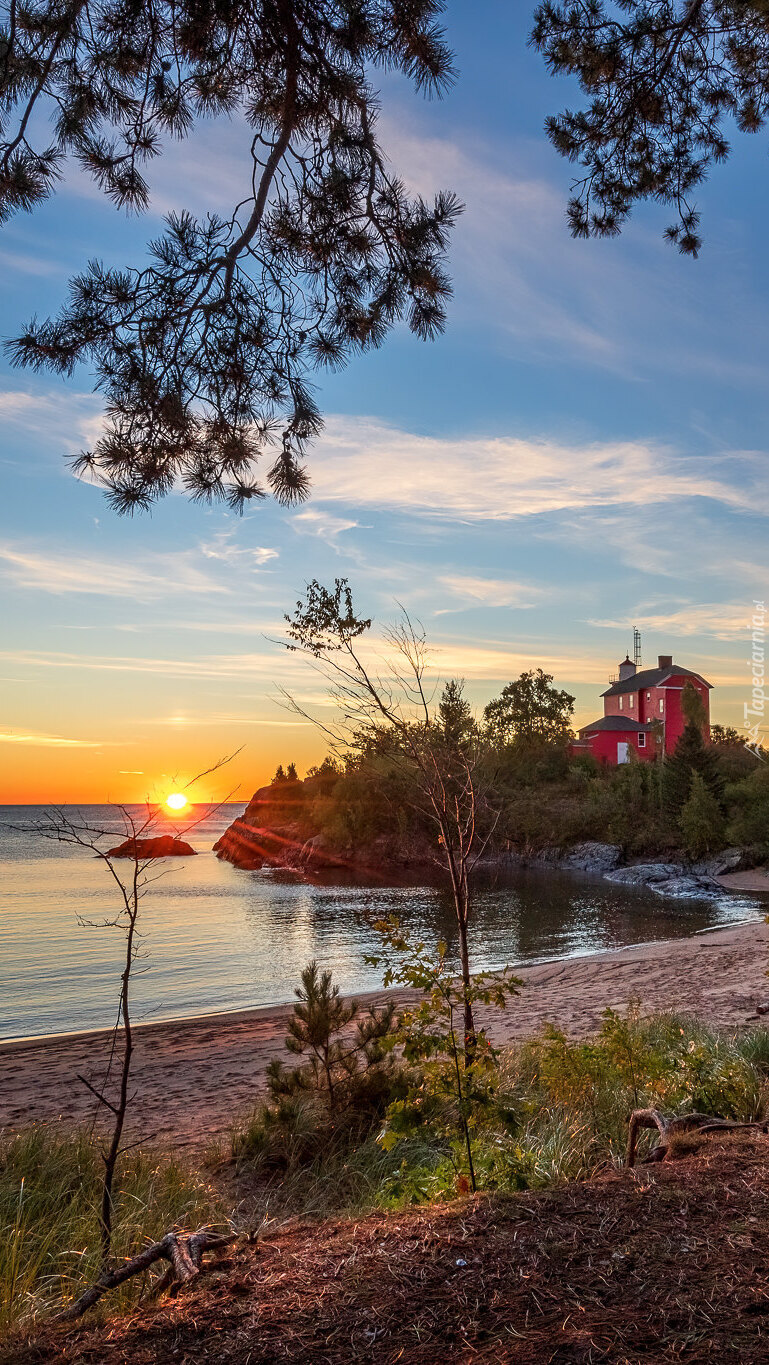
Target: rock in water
[163,846]
[667,879]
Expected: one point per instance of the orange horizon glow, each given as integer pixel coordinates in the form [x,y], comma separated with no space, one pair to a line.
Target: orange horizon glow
[137,768]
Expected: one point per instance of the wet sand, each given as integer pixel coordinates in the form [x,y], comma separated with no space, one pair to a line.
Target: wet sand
[757,879]
[192,1078]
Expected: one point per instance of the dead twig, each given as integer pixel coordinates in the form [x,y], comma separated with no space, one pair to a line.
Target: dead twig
[184,1252]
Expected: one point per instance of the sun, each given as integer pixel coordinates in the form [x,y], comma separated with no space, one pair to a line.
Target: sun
[176,801]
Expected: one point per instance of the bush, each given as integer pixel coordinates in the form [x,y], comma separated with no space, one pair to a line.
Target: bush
[749,807]
[50,1187]
[701,821]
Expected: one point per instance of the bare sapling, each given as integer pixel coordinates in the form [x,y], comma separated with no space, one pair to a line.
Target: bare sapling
[387,701]
[132,871]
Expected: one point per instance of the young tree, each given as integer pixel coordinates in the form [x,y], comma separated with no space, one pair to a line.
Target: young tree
[661,78]
[691,755]
[205,353]
[701,819]
[429,1036]
[131,882]
[530,710]
[341,1060]
[444,760]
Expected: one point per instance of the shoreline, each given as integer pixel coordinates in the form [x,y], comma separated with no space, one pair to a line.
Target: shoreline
[281,1008]
[193,1077]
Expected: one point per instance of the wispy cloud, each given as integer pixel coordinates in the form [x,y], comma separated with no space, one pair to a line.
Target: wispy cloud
[365,463]
[69,419]
[313,521]
[49,741]
[211,666]
[225,547]
[492,592]
[59,574]
[719,620]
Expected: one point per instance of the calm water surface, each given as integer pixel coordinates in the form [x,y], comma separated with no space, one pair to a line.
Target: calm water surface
[219,939]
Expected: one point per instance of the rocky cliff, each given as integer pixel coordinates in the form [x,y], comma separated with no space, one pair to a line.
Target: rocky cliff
[274,831]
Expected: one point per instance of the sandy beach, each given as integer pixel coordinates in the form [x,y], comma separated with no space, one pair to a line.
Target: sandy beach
[193,1077]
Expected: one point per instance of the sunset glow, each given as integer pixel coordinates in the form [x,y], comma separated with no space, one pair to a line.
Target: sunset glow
[177,801]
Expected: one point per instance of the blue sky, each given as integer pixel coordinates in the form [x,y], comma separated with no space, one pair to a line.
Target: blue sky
[584,450]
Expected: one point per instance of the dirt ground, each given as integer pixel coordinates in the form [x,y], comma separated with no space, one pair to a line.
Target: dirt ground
[669,1263]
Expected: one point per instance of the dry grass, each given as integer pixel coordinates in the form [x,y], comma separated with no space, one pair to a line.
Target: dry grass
[667,1264]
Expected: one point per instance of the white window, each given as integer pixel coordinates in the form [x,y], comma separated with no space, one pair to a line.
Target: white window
[632,701]
[648,696]
[642,741]
[621,701]
[662,704]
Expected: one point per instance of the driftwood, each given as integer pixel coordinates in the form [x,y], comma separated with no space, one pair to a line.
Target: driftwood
[671,1128]
[184,1252]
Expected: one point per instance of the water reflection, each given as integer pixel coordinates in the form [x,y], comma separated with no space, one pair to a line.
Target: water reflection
[222,939]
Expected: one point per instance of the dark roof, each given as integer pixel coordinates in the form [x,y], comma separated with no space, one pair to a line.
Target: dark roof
[651,677]
[615,723]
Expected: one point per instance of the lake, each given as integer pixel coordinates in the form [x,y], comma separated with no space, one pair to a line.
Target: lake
[216,938]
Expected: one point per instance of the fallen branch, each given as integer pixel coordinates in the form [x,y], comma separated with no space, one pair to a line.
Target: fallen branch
[184,1252]
[671,1128]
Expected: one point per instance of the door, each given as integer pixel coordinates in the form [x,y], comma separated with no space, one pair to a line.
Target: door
[622,748]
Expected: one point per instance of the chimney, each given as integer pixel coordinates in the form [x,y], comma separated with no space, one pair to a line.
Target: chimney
[664,660]
[626,669]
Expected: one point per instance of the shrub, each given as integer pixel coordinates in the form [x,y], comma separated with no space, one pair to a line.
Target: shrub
[701,821]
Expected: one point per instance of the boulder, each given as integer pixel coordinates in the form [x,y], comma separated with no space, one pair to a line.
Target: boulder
[686,887]
[667,879]
[163,846]
[645,874]
[729,860]
[592,856]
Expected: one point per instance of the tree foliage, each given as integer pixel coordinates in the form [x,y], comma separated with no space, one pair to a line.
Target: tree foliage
[385,707]
[205,352]
[701,819]
[530,710]
[691,755]
[343,1047]
[446,1094]
[661,77]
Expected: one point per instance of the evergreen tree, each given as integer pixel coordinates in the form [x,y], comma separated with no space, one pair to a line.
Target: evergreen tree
[691,755]
[280,775]
[342,1064]
[204,353]
[701,819]
[291,773]
[455,715]
[661,77]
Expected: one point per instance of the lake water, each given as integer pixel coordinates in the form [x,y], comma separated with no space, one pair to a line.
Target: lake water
[217,938]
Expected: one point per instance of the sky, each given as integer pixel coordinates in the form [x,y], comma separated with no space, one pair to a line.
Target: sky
[583,451]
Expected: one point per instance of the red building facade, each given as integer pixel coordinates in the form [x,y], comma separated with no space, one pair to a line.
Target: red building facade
[643,713]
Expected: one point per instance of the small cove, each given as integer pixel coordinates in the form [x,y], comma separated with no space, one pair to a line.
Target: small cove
[219,939]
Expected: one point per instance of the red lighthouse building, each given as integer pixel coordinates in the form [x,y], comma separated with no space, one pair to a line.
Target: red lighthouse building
[642,712]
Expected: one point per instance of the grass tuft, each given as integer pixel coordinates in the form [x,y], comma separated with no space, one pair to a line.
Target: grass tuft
[50,1188]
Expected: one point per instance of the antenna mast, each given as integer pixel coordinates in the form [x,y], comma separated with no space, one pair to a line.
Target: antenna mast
[636,647]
